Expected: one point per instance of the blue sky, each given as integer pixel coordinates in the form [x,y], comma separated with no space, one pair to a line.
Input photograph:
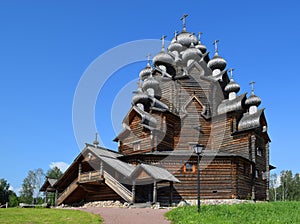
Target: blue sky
[46,47]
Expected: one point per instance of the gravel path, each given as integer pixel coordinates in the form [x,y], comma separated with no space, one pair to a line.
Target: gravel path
[130,215]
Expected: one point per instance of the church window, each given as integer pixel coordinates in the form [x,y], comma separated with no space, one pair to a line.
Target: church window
[259,151]
[137,146]
[189,168]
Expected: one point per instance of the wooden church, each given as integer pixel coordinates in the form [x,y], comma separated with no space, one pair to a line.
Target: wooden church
[183,99]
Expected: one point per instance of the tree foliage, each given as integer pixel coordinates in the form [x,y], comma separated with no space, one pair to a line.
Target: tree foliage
[54,173]
[286,187]
[31,186]
[7,195]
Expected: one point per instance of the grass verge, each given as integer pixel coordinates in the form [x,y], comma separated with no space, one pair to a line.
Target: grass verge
[49,216]
[275,212]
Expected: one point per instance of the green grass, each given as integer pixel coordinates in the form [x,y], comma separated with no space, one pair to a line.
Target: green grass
[275,212]
[46,216]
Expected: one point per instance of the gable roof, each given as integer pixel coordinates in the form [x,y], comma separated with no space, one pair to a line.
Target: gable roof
[48,185]
[155,172]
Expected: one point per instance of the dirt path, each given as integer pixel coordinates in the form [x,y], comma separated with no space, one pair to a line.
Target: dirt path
[130,215]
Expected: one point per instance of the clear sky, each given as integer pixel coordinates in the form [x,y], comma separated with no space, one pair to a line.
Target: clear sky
[46,47]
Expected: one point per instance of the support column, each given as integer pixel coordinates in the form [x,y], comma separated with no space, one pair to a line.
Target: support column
[154,192]
[133,192]
[171,193]
[56,197]
[101,168]
[79,171]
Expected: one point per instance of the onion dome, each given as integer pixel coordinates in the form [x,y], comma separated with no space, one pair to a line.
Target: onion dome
[217,62]
[232,86]
[200,46]
[175,46]
[191,53]
[150,83]
[140,97]
[253,100]
[146,72]
[186,38]
[163,58]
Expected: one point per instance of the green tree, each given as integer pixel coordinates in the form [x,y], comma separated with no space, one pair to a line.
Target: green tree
[4,191]
[31,186]
[13,200]
[54,173]
[7,195]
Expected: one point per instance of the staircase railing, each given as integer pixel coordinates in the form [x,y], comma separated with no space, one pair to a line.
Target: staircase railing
[119,188]
[67,191]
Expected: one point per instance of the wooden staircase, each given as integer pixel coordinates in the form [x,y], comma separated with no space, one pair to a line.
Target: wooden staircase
[87,177]
[119,188]
[67,191]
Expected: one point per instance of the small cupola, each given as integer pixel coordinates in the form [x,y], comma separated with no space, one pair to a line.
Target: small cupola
[191,54]
[200,46]
[140,99]
[163,58]
[253,101]
[146,72]
[232,88]
[217,63]
[151,86]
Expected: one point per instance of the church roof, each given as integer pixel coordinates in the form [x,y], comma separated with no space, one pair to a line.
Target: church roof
[232,105]
[48,185]
[250,121]
[111,159]
[157,173]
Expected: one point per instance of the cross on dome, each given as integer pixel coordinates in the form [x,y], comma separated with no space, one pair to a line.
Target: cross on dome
[216,46]
[148,59]
[231,73]
[199,35]
[96,142]
[163,42]
[175,33]
[252,87]
[183,18]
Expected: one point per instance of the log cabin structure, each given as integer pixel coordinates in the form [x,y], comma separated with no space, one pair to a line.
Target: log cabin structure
[183,99]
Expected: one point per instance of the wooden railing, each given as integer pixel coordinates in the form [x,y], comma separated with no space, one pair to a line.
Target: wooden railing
[67,191]
[90,176]
[119,188]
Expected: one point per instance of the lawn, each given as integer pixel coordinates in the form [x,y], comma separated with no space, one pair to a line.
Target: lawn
[275,212]
[49,216]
